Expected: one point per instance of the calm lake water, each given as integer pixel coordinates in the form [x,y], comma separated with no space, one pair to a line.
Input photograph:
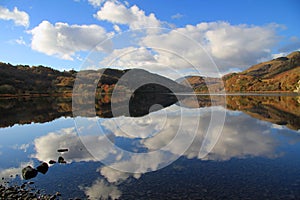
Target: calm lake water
[249,149]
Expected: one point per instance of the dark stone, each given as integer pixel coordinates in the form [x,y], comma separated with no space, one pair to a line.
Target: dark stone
[43,168]
[23,185]
[62,150]
[61,160]
[28,172]
[52,162]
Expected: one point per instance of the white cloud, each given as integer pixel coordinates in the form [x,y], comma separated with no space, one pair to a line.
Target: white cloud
[239,138]
[134,17]
[140,127]
[20,41]
[210,49]
[231,46]
[177,16]
[64,40]
[98,3]
[242,136]
[130,57]
[116,176]
[117,28]
[101,190]
[80,147]
[22,147]
[277,55]
[240,45]
[46,146]
[12,172]
[20,18]
[137,164]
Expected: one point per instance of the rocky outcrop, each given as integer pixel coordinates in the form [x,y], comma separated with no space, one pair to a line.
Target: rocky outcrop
[29,172]
[42,168]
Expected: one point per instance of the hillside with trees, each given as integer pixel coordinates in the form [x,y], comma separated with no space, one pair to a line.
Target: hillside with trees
[277,75]
[22,80]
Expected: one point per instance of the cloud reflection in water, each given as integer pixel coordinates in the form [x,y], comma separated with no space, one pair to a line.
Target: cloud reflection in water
[242,137]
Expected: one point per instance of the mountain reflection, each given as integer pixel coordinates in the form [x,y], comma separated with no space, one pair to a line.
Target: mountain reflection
[281,110]
[242,137]
[37,110]
[244,134]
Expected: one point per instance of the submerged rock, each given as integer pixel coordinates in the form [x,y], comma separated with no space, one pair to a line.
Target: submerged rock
[29,172]
[61,160]
[62,150]
[43,168]
[51,162]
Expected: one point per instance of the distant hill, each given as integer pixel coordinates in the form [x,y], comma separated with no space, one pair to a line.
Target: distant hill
[21,80]
[277,75]
[139,87]
[280,74]
[200,84]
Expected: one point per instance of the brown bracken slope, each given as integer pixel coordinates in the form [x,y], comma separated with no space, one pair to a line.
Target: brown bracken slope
[277,75]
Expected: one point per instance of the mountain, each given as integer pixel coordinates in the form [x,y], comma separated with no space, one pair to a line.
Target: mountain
[92,90]
[271,69]
[277,75]
[203,84]
[22,80]
[138,89]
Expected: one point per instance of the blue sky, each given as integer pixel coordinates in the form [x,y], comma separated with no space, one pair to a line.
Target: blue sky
[62,33]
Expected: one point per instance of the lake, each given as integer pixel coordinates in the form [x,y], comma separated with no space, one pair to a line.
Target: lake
[233,147]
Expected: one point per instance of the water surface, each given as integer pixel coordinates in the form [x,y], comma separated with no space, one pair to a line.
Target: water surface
[255,156]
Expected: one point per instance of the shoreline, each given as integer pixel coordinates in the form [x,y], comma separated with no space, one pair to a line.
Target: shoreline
[252,93]
[24,191]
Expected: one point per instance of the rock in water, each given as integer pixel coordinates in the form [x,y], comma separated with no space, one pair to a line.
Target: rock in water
[61,160]
[62,150]
[28,172]
[51,162]
[43,168]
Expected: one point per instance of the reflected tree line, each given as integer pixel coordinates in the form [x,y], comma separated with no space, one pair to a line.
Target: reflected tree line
[281,110]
